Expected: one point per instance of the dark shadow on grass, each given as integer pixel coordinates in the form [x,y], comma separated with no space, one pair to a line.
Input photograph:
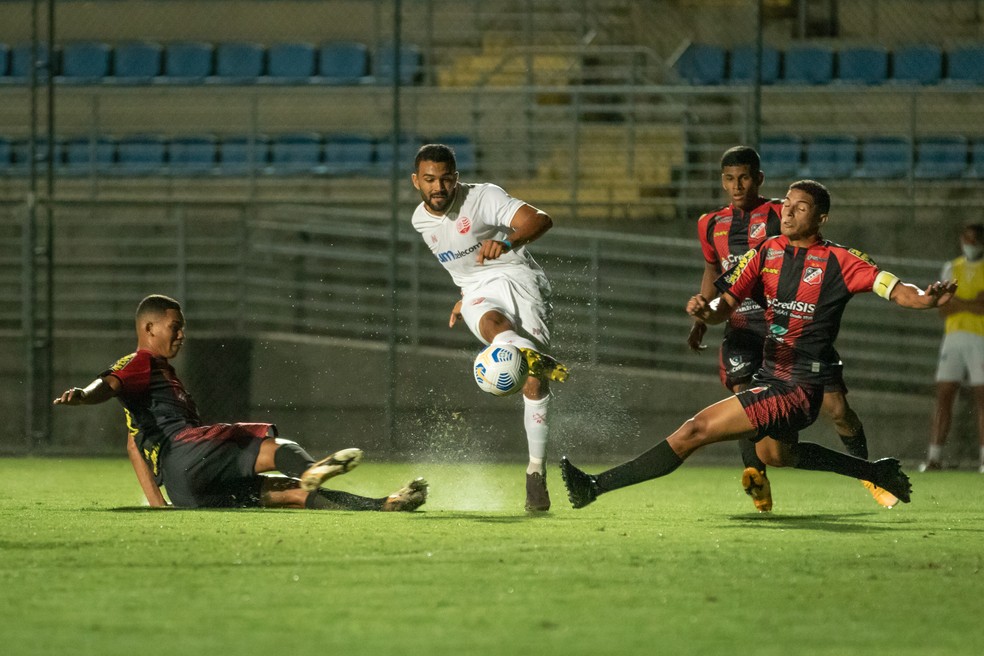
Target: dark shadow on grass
[833,523]
[456,515]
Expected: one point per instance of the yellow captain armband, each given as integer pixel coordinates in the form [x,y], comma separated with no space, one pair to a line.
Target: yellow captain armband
[884,284]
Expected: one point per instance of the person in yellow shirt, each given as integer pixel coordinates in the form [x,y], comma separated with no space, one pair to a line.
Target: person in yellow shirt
[962,350]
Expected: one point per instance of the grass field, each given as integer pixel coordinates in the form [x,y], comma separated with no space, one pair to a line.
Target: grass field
[677,566]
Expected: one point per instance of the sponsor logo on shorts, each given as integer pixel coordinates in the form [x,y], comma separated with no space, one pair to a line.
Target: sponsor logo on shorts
[463,224]
[813,275]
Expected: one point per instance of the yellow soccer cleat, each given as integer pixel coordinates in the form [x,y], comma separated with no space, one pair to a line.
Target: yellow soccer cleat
[542,365]
[757,486]
[884,498]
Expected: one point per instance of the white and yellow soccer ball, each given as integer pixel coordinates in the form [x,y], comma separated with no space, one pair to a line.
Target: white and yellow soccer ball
[500,369]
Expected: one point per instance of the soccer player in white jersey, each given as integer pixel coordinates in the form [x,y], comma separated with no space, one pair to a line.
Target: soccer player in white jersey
[479,233]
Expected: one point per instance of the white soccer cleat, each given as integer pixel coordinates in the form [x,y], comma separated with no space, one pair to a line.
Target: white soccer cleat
[336,464]
[408,498]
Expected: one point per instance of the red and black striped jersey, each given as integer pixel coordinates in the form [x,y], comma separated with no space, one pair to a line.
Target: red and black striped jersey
[804,292]
[728,233]
[155,402]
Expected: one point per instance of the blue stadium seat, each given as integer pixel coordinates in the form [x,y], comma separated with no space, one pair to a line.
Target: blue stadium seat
[6,156]
[343,62]
[21,62]
[781,155]
[965,65]
[187,63]
[348,153]
[84,156]
[809,65]
[917,65]
[464,151]
[243,155]
[941,158]
[137,62]
[4,61]
[85,62]
[884,157]
[298,152]
[742,67]
[239,63]
[702,64]
[976,169]
[384,64]
[20,155]
[834,156]
[191,155]
[291,63]
[140,154]
[862,65]
[407,150]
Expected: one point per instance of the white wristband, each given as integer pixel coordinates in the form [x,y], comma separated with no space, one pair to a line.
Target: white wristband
[884,284]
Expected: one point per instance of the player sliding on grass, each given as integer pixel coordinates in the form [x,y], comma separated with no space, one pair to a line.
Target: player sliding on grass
[479,233]
[725,235]
[221,465]
[804,282]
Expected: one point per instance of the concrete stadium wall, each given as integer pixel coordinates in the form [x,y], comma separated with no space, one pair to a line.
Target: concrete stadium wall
[330,394]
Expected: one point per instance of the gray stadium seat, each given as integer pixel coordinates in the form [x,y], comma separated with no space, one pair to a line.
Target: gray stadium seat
[833,156]
[917,65]
[808,65]
[343,62]
[85,62]
[742,68]
[702,65]
[941,158]
[137,62]
[884,157]
[867,65]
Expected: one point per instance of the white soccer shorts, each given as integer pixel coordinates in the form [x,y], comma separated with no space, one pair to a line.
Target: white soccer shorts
[961,358]
[525,306]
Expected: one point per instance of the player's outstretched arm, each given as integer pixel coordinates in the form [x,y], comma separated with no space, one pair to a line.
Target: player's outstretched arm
[98,391]
[146,479]
[528,224]
[712,312]
[707,290]
[909,296]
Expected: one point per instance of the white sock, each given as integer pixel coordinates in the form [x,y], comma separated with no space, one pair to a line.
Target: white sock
[537,429]
[935,452]
[512,337]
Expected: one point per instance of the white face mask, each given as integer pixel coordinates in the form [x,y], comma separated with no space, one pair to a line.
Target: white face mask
[972,251]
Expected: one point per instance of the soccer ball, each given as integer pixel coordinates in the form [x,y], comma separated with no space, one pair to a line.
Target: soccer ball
[501,369]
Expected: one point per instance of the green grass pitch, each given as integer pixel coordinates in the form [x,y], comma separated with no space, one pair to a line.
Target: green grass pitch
[682,565]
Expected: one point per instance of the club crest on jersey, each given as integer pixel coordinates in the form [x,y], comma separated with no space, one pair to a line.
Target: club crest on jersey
[462,225]
[757,231]
[812,275]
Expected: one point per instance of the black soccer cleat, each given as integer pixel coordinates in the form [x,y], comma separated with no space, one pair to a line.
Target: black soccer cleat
[582,488]
[888,474]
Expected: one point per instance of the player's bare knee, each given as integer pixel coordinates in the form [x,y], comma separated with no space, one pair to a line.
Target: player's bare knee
[492,323]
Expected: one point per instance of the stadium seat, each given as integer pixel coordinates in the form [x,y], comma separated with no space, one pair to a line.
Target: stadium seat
[862,66]
[702,65]
[140,154]
[348,153]
[243,155]
[187,63]
[343,62]
[137,62]
[976,169]
[298,152]
[464,151]
[808,65]
[742,67]
[238,63]
[832,156]
[384,64]
[884,157]
[941,158]
[21,61]
[781,155]
[965,65]
[917,65]
[194,154]
[4,61]
[20,155]
[6,156]
[85,62]
[85,156]
[290,63]
[407,150]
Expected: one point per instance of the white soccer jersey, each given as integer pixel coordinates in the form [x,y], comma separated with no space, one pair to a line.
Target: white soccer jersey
[478,212]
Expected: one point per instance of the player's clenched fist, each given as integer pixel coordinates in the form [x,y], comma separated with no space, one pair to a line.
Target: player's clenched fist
[698,307]
[492,249]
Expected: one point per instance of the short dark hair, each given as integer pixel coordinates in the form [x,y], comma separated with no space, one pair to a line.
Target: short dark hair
[977,228]
[439,153]
[157,304]
[819,193]
[742,156]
